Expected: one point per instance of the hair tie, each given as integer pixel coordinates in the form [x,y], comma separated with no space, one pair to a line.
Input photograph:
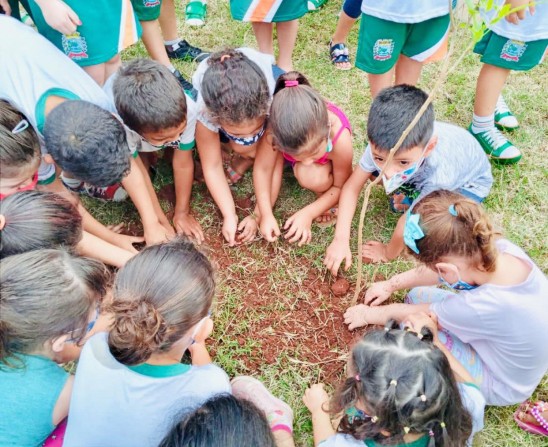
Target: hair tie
[374,419]
[406,429]
[452,210]
[423,397]
[2,222]
[292,83]
[420,336]
[386,329]
[394,382]
[442,425]
[431,433]
[357,377]
[20,127]
[224,57]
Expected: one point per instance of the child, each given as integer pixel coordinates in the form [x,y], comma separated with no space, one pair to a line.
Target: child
[48,303]
[132,377]
[434,156]
[501,292]
[517,43]
[151,103]
[235,88]
[73,113]
[316,139]
[397,38]
[403,388]
[91,35]
[31,220]
[262,14]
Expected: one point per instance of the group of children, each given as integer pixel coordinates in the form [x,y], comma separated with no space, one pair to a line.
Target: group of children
[423,380]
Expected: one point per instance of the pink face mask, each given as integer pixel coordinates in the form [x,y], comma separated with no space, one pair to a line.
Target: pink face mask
[29,187]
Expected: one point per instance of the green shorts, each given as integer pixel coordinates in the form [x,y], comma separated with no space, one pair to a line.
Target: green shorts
[147,10]
[108,26]
[267,11]
[381,42]
[511,54]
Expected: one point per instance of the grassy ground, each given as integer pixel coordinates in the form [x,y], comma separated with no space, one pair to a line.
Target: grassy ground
[276,275]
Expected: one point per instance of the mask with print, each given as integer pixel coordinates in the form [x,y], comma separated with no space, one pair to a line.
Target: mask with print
[399,178]
[245,141]
[459,285]
[31,186]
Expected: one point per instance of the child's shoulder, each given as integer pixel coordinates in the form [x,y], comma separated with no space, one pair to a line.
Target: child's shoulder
[452,137]
[210,376]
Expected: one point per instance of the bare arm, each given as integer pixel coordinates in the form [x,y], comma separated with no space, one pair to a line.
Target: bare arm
[316,400]
[94,247]
[61,409]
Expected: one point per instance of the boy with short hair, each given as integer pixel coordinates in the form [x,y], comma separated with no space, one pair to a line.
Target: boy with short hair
[151,103]
[38,79]
[518,42]
[433,156]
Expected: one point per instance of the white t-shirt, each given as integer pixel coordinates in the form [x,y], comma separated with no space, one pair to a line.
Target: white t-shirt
[263,60]
[507,326]
[407,11]
[32,69]
[118,406]
[186,142]
[533,27]
[457,162]
[472,400]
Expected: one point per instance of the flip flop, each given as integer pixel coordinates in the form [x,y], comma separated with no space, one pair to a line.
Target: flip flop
[535,411]
[339,55]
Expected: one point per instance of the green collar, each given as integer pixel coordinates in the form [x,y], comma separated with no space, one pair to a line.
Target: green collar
[421,442]
[160,371]
[40,109]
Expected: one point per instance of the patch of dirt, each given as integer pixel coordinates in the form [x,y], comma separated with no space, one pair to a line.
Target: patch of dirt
[167,193]
[244,203]
[340,287]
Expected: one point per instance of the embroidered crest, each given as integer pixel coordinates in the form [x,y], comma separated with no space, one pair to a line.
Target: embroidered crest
[382,50]
[151,3]
[75,46]
[513,50]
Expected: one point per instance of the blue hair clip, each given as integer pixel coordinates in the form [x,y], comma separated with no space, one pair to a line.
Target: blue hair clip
[412,231]
[453,211]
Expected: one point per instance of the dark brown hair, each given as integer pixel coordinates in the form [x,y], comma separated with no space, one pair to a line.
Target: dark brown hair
[298,114]
[157,297]
[469,234]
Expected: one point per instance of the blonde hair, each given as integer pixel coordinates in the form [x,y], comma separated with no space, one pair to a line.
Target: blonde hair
[469,234]
[157,297]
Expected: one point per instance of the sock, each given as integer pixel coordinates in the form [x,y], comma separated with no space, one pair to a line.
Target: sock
[483,123]
[172,45]
[71,182]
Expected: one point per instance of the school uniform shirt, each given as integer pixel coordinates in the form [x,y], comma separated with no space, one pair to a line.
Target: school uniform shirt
[119,406]
[187,139]
[507,326]
[32,70]
[264,61]
[533,27]
[472,399]
[29,393]
[457,163]
[408,11]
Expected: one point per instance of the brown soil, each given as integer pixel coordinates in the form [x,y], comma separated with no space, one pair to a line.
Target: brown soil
[340,287]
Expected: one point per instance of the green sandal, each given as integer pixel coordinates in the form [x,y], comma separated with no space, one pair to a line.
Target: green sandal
[314,5]
[196,13]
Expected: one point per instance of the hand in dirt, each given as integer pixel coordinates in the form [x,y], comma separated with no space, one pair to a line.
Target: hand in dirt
[126,242]
[60,16]
[316,398]
[374,250]
[247,229]
[378,293]
[186,224]
[362,315]
[230,226]
[298,228]
[417,321]
[157,234]
[515,17]
[269,228]
[336,253]
[116,228]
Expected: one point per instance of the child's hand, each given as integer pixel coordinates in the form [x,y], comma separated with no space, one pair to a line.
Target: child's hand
[362,315]
[60,16]
[378,293]
[126,242]
[376,251]
[186,224]
[204,331]
[269,228]
[315,397]
[515,17]
[230,226]
[247,229]
[298,228]
[336,253]
[157,234]
[417,321]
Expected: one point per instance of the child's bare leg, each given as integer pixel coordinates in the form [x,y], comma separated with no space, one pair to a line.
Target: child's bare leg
[97,72]
[490,83]
[112,66]
[152,38]
[168,21]
[408,71]
[287,36]
[344,25]
[241,164]
[377,82]
[263,34]
[318,179]
[283,438]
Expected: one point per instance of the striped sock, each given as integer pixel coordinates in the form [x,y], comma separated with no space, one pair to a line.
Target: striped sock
[483,123]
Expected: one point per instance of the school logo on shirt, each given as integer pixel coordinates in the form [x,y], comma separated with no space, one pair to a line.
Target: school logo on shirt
[382,50]
[75,46]
[513,50]
[151,3]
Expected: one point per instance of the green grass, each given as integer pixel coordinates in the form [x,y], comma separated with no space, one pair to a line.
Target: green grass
[518,204]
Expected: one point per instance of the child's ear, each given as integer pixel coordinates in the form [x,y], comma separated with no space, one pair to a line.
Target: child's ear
[431,145]
[58,344]
[48,159]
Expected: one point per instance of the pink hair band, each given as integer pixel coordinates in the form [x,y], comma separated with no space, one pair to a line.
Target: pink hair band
[291,83]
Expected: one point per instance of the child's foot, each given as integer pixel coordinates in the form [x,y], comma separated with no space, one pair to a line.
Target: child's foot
[504,118]
[497,146]
[328,218]
[114,193]
[339,56]
[277,412]
[533,418]
[196,13]
[186,52]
